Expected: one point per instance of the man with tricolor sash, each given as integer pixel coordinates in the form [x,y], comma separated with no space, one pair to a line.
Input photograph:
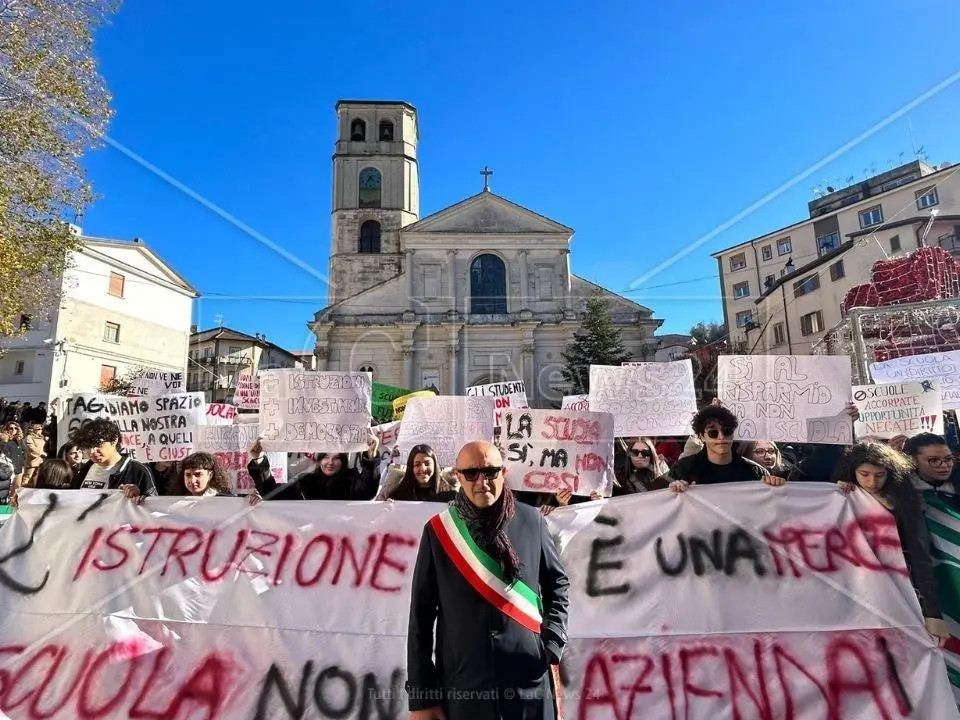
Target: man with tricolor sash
[488,574]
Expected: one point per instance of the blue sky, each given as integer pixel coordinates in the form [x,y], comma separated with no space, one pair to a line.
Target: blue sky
[643,127]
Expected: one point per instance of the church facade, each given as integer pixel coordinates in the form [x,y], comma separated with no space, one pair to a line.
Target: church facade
[476,293]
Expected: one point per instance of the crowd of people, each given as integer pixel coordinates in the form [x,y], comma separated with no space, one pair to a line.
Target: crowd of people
[898,472]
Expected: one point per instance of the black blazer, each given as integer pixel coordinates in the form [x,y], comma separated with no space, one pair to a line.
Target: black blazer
[478,648]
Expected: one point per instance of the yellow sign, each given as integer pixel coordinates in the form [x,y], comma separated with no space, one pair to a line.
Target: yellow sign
[400,404]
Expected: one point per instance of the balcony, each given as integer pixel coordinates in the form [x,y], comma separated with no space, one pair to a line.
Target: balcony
[950,243]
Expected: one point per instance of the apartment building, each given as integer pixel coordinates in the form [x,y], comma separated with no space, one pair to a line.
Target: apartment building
[121,308]
[219,355]
[782,291]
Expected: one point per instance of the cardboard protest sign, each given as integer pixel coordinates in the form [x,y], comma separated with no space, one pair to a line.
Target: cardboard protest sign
[220,414]
[387,436]
[157,382]
[891,409]
[944,367]
[78,410]
[230,445]
[653,399]
[787,398]
[382,401]
[201,607]
[445,423]
[510,394]
[308,411]
[557,450]
[153,429]
[247,396]
[575,402]
[400,404]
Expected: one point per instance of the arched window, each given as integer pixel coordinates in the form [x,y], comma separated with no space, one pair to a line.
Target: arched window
[386,131]
[358,130]
[370,237]
[488,286]
[369,188]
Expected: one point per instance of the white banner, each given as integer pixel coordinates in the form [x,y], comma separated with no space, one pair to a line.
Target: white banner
[575,402]
[653,399]
[556,450]
[206,608]
[306,411]
[446,423]
[157,382]
[787,398]
[156,428]
[247,396]
[505,395]
[891,409]
[944,367]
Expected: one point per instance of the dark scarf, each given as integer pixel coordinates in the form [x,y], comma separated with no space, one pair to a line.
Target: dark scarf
[487,527]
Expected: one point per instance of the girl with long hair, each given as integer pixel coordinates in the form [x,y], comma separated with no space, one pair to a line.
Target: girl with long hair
[421,480]
[766,454]
[72,455]
[640,469]
[885,474]
[332,477]
[54,474]
[200,475]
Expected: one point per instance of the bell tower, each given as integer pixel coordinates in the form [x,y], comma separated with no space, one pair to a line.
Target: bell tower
[376,191]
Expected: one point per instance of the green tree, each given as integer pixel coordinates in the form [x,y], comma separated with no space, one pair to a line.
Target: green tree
[706,333]
[54,107]
[598,342]
[123,384]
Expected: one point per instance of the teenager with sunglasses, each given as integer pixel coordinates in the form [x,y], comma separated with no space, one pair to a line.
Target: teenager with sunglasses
[716,463]
[641,469]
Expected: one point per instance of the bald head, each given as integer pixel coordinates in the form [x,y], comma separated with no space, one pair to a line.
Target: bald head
[480,471]
[476,453]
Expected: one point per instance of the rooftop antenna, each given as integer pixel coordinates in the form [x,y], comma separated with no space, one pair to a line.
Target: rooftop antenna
[851,179]
[219,318]
[913,140]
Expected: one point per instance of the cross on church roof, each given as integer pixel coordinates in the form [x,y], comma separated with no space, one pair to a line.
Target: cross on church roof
[486,172]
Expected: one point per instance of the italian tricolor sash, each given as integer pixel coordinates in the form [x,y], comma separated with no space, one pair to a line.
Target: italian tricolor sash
[514,599]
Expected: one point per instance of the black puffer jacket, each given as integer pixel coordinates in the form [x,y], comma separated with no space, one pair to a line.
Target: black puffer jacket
[348,484]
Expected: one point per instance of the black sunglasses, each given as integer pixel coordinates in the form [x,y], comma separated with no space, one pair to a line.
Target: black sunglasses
[714,433]
[641,453]
[471,474]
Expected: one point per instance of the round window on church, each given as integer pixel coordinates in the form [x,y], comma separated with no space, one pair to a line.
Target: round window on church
[366,368]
